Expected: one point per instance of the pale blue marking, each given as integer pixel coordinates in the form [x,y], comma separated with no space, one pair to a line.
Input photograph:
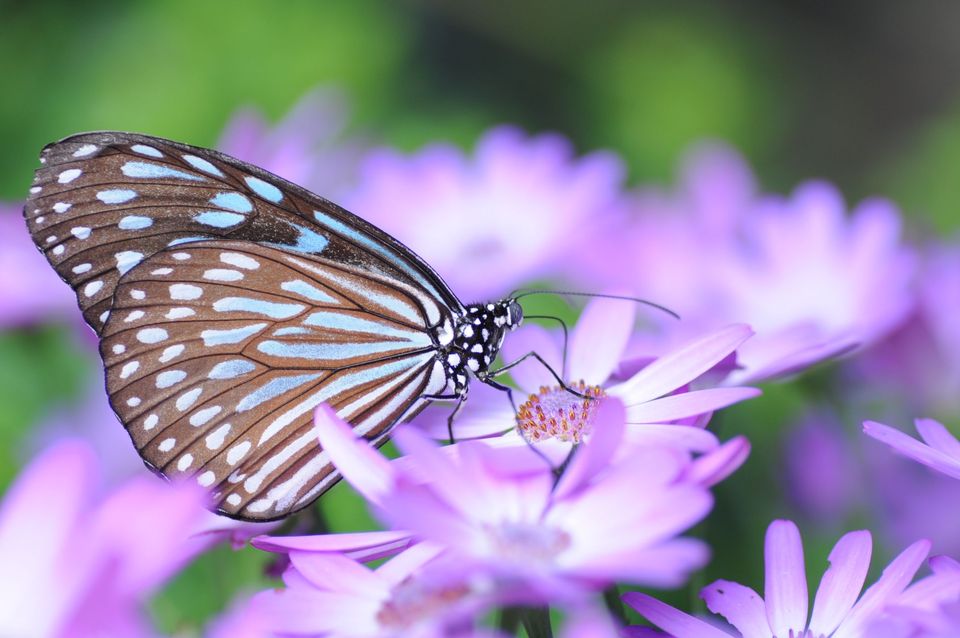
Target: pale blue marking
[135,222]
[203,165]
[232,335]
[231,369]
[273,389]
[148,170]
[127,260]
[328,350]
[232,201]
[219,219]
[308,241]
[143,149]
[258,306]
[264,189]
[170,377]
[302,288]
[351,323]
[363,239]
[116,195]
[291,330]
[184,240]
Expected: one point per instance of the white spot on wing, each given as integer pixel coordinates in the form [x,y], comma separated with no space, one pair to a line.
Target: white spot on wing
[237,452]
[166,445]
[171,352]
[185,462]
[143,149]
[223,274]
[68,175]
[168,378]
[216,438]
[185,292]
[127,259]
[240,261]
[86,149]
[92,288]
[129,368]
[61,207]
[152,335]
[179,313]
[187,399]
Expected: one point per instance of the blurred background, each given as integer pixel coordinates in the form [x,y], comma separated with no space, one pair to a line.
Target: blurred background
[863,93]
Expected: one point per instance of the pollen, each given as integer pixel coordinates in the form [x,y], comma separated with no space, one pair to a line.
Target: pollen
[555,412]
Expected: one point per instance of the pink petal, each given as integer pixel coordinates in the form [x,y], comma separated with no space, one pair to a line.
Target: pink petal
[361,546]
[673,621]
[683,437]
[891,584]
[938,437]
[944,565]
[337,573]
[785,580]
[310,612]
[362,466]
[841,584]
[592,457]
[599,339]
[912,448]
[711,468]
[664,565]
[681,366]
[687,404]
[402,566]
[531,374]
[741,606]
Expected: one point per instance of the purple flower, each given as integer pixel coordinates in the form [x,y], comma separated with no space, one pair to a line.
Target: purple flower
[508,214]
[30,289]
[839,609]
[307,147]
[939,450]
[810,280]
[78,565]
[505,517]
[660,406]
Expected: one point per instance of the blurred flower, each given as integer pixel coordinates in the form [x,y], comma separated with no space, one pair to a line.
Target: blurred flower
[82,566]
[307,147]
[940,450]
[839,610]
[812,282]
[918,367]
[502,218]
[507,518]
[661,407]
[29,287]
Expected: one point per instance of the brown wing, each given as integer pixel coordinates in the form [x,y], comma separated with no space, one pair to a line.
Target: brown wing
[217,352]
[103,202]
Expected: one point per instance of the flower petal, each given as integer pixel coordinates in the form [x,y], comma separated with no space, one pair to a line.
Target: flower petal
[531,374]
[741,606]
[912,448]
[684,437]
[841,584]
[673,621]
[938,437]
[681,366]
[337,573]
[361,546]
[785,580]
[687,404]
[362,466]
[711,468]
[599,339]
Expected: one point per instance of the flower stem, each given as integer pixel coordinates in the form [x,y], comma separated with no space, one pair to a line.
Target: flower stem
[536,622]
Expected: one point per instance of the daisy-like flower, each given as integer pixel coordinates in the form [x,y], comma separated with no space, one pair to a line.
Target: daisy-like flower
[839,609]
[506,518]
[79,565]
[660,405]
[498,219]
[307,147]
[939,450]
[30,289]
[811,280]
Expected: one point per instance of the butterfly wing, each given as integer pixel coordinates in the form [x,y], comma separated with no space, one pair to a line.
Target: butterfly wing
[103,202]
[217,352]
[221,385]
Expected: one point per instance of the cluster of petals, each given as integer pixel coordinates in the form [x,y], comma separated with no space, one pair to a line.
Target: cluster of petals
[890,608]
[489,527]
[82,564]
[513,210]
[813,281]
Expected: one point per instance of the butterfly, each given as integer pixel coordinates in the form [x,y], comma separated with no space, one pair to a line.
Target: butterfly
[230,302]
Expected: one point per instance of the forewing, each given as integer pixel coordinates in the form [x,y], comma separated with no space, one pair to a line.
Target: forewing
[217,352]
[103,202]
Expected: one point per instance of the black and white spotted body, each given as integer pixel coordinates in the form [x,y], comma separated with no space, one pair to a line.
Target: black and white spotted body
[478,336]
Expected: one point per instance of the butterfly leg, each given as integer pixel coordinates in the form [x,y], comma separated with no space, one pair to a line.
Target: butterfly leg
[461,400]
[495,373]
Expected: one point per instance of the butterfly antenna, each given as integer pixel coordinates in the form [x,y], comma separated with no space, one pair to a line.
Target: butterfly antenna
[518,294]
[566,336]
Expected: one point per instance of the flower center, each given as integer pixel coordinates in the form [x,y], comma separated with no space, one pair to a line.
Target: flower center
[525,542]
[556,413]
[414,600]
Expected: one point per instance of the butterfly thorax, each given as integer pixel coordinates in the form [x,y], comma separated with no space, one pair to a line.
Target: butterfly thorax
[478,336]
